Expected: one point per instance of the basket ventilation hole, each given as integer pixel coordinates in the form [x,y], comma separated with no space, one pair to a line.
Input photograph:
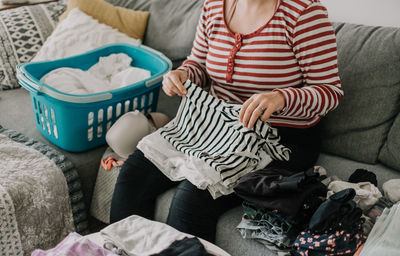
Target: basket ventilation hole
[100,116]
[135,104]
[53,116]
[118,110]
[109,112]
[108,126]
[46,113]
[90,118]
[99,131]
[40,108]
[37,119]
[55,131]
[143,101]
[48,127]
[34,103]
[126,106]
[90,134]
[42,119]
[151,98]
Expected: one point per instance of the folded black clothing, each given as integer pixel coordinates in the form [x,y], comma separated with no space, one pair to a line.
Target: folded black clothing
[338,212]
[362,175]
[185,247]
[271,189]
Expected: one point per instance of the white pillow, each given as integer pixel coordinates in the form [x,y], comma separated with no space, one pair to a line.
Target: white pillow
[79,33]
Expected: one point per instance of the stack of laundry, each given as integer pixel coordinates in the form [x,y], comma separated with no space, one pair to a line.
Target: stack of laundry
[284,204]
[335,219]
[111,72]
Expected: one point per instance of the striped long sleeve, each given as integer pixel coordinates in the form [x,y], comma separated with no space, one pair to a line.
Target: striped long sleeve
[314,45]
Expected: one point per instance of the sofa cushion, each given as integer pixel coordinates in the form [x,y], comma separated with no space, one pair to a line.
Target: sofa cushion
[369,64]
[172,26]
[390,152]
[23,30]
[131,22]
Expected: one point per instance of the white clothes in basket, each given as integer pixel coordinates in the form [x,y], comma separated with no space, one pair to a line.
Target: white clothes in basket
[111,72]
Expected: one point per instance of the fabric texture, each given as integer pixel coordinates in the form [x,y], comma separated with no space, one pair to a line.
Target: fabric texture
[368,68]
[389,154]
[361,175]
[295,196]
[130,22]
[138,236]
[79,33]
[383,239]
[209,128]
[109,73]
[34,173]
[23,31]
[185,247]
[304,69]
[366,193]
[391,188]
[104,188]
[74,244]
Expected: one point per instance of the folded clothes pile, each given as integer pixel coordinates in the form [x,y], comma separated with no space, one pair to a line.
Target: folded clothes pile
[111,72]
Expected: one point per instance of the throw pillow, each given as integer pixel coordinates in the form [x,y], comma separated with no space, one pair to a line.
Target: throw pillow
[133,23]
[79,33]
[23,31]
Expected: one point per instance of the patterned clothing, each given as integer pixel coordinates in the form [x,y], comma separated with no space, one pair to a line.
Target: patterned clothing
[209,128]
[294,53]
[339,243]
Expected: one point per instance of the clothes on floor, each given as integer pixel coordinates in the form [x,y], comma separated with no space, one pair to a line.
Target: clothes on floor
[362,175]
[209,128]
[341,242]
[338,212]
[138,236]
[185,247]
[384,237]
[75,244]
[111,72]
[296,196]
[391,189]
[366,193]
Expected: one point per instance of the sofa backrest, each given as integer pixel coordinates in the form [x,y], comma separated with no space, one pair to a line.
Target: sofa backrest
[369,67]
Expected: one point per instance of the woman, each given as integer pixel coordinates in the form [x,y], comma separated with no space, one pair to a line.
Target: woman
[277,58]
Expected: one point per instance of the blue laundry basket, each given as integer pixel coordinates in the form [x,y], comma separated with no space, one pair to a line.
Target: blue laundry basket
[78,123]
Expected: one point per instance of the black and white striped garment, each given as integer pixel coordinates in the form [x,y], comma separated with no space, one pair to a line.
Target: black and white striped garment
[209,128]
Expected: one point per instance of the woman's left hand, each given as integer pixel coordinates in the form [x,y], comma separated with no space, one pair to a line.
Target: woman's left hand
[261,105]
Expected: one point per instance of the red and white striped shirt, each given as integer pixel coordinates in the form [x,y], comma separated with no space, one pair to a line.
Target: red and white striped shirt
[294,52]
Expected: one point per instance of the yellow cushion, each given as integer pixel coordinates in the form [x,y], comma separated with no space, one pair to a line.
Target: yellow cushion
[133,23]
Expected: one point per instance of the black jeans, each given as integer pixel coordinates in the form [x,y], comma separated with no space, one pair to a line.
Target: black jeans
[192,210]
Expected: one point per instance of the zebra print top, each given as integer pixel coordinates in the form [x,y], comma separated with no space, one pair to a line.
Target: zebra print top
[209,128]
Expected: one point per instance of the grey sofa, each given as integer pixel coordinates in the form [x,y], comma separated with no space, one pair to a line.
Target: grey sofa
[363,132]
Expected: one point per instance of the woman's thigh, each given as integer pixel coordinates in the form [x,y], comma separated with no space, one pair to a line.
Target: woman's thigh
[194,211]
[138,185]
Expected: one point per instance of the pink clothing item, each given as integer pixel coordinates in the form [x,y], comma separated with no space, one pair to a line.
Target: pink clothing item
[74,245]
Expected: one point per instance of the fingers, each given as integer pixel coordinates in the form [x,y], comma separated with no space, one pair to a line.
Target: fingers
[251,114]
[244,108]
[172,84]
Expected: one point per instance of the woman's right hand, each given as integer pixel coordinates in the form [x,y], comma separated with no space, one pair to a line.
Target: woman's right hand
[173,83]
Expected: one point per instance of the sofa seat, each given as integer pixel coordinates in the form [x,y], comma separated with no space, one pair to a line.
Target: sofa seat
[229,239]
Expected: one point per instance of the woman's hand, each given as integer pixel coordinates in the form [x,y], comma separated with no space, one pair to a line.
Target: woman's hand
[262,104]
[173,83]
